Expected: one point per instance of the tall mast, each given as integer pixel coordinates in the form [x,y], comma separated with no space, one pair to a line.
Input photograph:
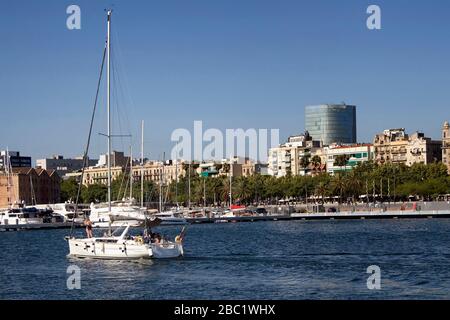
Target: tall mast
[176,178]
[231,177]
[142,164]
[161,178]
[8,177]
[204,194]
[189,182]
[108,105]
[131,173]
[33,197]
[160,190]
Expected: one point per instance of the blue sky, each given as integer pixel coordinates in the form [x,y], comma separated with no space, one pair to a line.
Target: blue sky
[232,64]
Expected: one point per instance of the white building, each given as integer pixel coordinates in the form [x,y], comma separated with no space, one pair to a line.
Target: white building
[355,154]
[286,159]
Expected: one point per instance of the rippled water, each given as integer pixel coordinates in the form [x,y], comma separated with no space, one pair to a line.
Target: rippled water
[263,260]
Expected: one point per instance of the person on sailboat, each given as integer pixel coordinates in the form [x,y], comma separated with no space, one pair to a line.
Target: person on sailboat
[88,224]
[147,235]
[179,238]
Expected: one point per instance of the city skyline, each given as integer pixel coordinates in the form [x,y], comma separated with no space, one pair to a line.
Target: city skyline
[231,65]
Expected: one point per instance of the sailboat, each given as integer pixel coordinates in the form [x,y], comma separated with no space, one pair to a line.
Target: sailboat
[119,211]
[124,246]
[230,212]
[102,215]
[175,215]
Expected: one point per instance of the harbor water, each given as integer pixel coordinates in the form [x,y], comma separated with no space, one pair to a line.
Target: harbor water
[260,260]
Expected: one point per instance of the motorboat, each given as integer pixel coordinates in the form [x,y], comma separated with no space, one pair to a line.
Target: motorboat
[66,211]
[16,218]
[171,218]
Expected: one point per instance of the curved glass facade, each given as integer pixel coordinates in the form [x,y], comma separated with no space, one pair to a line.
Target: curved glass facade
[331,123]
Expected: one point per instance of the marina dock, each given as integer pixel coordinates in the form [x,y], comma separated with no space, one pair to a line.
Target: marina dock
[360,215]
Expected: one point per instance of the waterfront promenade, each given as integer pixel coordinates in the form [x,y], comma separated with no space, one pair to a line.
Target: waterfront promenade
[330,216]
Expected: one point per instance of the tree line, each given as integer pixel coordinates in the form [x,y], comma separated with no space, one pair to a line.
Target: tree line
[368,180]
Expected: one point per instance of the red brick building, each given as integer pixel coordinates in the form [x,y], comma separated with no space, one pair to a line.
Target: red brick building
[29,186]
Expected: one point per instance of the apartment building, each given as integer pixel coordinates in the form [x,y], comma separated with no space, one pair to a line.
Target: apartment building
[353,154]
[395,146]
[291,158]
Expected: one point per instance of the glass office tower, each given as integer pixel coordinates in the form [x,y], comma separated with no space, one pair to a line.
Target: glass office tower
[331,123]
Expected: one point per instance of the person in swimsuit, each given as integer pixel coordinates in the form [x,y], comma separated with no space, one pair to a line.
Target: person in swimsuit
[88,225]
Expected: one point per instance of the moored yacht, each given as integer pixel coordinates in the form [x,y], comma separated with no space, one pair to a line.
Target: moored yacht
[101,214]
[16,218]
[171,218]
[66,211]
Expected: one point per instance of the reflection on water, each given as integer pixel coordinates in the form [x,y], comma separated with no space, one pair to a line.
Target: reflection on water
[264,260]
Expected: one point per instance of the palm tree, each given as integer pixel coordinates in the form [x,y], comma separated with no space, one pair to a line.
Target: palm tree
[321,190]
[226,167]
[185,166]
[304,162]
[193,166]
[225,190]
[341,161]
[354,185]
[242,190]
[316,162]
[339,185]
[215,186]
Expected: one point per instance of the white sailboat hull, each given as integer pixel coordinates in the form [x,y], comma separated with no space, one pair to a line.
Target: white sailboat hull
[123,250]
[165,251]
